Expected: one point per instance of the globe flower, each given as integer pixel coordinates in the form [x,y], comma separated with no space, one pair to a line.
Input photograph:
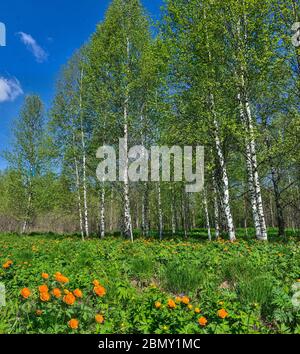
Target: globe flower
[171,304]
[45,296]
[77,293]
[57,275]
[64,279]
[38,312]
[99,318]
[45,275]
[157,304]
[25,292]
[43,289]
[56,292]
[178,299]
[99,290]
[73,323]
[69,299]
[190,306]
[61,278]
[96,282]
[185,300]
[197,310]
[202,321]
[222,313]
[7,264]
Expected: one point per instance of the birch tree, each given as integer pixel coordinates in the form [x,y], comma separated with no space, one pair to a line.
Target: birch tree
[28,154]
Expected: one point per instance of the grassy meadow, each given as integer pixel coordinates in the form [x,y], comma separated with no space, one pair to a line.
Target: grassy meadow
[59,284]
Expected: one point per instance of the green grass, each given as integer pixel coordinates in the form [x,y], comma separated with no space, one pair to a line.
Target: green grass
[252,280]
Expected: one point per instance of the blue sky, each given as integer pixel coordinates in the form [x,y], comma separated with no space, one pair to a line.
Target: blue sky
[41,36]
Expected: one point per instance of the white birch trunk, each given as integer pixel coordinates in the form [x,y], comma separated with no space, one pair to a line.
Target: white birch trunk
[111,212]
[79,198]
[207,216]
[173,211]
[127,214]
[271,211]
[160,215]
[84,180]
[225,182]
[226,197]
[102,211]
[183,210]
[256,182]
[251,163]
[143,215]
[249,167]
[145,211]
[173,220]
[144,184]
[25,223]
[216,211]
[251,158]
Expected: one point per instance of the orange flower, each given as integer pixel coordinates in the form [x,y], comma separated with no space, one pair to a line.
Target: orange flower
[38,312]
[185,300]
[43,288]
[197,310]
[64,279]
[190,306]
[222,313]
[202,321]
[69,299]
[178,299]
[171,304]
[61,278]
[45,296]
[7,264]
[56,292]
[57,275]
[45,275]
[99,290]
[25,292]
[96,282]
[73,323]
[77,293]
[99,318]
[157,304]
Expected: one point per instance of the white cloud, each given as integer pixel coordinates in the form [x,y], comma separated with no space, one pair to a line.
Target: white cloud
[32,45]
[10,89]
